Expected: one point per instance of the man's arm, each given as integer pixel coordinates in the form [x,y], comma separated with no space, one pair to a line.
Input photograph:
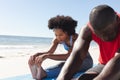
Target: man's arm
[77,56]
[112,69]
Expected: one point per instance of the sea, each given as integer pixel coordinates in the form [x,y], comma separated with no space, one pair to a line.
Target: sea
[12,45]
[17,45]
[9,42]
[23,40]
[26,40]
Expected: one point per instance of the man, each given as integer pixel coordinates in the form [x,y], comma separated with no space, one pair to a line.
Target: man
[104,29]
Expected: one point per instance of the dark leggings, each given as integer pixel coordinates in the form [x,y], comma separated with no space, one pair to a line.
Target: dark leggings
[55,70]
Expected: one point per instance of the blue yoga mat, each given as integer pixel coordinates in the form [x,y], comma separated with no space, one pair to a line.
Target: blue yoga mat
[24,77]
[29,77]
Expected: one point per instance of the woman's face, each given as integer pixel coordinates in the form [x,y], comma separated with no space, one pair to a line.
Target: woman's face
[61,35]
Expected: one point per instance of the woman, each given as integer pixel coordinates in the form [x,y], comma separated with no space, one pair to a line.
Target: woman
[64,30]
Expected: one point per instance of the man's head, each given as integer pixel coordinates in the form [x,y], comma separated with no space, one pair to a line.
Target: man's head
[103,20]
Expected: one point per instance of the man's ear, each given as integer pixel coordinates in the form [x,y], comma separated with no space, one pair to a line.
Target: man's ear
[117,19]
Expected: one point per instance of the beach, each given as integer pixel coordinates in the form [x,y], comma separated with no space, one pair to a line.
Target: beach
[14,59]
[16,64]
[16,50]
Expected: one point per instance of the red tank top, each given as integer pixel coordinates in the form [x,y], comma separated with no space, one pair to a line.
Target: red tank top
[107,48]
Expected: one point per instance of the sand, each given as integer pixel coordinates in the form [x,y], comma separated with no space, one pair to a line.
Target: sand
[17,63]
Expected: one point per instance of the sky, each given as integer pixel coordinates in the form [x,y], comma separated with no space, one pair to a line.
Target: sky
[30,17]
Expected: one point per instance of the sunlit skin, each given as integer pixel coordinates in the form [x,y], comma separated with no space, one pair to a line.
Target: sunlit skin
[62,36]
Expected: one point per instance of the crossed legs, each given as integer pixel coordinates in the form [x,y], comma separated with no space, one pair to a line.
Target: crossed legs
[111,71]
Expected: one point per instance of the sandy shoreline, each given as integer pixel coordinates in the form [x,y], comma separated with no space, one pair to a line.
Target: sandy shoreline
[14,65]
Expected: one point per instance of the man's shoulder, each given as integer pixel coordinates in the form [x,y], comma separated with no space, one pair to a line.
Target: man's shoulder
[86,32]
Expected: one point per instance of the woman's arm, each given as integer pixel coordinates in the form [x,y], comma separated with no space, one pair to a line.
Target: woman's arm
[58,56]
[62,56]
[51,50]
[36,57]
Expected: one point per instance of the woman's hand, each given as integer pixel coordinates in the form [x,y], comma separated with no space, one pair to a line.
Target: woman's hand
[31,60]
[39,59]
